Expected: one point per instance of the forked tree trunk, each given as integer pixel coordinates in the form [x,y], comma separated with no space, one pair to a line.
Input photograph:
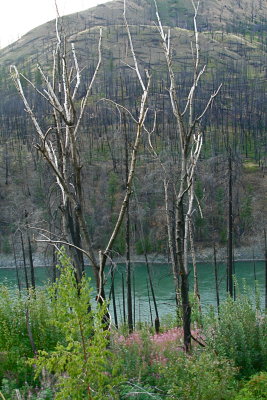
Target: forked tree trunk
[190,143]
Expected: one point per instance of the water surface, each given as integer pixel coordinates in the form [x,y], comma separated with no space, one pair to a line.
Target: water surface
[162,281]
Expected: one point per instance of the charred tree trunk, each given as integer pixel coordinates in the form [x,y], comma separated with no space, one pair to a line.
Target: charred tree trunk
[59,144]
[113,297]
[16,265]
[186,311]
[187,124]
[129,274]
[127,237]
[183,272]
[31,262]
[123,299]
[230,287]
[265,254]
[24,261]
[30,252]
[216,278]
[149,303]
[157,320]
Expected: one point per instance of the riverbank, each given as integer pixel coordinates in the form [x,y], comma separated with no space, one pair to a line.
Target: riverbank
[252,252]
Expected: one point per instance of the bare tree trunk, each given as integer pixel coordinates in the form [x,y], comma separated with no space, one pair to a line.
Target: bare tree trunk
[6,164]
[190,143]
[254,273]
[170,217]
[16,264]
[186,311]
[123,299]
[127,235]
[230,288]
[129,274]
[265,254]
[149,303]
[216,279]
[24,261]
[157,320]
[134,299]
[194,262]
[30,252]
[59,147]
[113,296]
[183,271]
[31,262]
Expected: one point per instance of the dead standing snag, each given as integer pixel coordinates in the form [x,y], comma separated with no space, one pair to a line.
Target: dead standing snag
[60,147]
[190,143]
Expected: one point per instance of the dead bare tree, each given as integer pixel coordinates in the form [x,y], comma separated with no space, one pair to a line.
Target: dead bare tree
[59,146]
[188,126]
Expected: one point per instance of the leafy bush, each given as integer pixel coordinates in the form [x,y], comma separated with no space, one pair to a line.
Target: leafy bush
[156,367]
[201,376]
[136,391]
[240,334]
[255,388]
[9,391]
[22,315]
[135,354]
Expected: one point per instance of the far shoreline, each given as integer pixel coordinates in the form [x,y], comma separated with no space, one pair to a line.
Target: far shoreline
[143,261]
[253,252]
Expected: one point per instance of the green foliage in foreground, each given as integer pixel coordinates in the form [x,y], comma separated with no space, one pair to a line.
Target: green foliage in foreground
[240,334]
[59,331]
[163,371]
[21,315]
[81,361]
[254,389]
[203,376]
[74,358]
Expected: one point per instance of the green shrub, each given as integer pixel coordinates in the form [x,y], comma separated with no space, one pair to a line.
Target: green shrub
[156,367]
[201,376]
[135,355]
[138,391]
[255,388]
[240,334]
[9,391]
[15,345]
[81,362]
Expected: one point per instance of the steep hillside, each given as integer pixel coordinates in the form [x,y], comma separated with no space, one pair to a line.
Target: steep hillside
[233,42]
[246,17]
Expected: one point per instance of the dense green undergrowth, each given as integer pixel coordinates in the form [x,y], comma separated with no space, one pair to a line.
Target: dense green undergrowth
[55,345]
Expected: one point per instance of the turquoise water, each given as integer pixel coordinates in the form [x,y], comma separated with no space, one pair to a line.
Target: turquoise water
[163,284]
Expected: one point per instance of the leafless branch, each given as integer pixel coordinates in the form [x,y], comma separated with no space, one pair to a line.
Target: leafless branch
[85,99]
[119,106]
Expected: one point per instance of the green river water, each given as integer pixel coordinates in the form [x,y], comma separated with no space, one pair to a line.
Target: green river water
[163,284]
